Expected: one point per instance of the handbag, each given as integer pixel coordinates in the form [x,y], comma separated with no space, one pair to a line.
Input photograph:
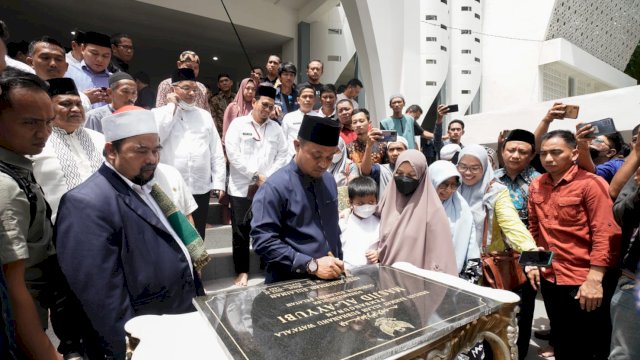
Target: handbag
[500,269]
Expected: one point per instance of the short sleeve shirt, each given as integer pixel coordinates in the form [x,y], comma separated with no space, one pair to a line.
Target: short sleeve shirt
[18,240]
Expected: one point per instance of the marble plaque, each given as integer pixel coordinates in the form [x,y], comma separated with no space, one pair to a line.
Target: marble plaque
[374,313]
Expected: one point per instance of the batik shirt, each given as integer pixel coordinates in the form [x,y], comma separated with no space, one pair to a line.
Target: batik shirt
[519,189]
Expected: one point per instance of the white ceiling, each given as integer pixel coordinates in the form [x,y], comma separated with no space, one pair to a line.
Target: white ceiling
[159,34]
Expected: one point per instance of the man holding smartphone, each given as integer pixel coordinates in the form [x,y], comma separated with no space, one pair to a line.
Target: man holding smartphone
[599,154]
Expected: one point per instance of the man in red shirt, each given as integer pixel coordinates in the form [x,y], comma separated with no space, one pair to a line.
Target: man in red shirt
[570,214]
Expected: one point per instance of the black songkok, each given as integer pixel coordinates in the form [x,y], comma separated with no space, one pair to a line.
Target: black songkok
[121,75]
[319,130]
[184,74]
[521,135]
[96,38]
[62,86]
[268,91]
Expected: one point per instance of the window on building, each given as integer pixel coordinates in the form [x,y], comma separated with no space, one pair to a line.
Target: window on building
[431,61]
[477,16]
[431,17]
[443,26]
[443,48]
[477,59]
[443,1]
[431,83]
[465,31]
[466,51]
[466,8]
[466,92]
[432,38]
[572,86]
[466,72]
[477,40]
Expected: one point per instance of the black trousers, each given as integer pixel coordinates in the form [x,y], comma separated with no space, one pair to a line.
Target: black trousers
[200,215]
[525,317]
[578,334]
[66,314]
[240,227]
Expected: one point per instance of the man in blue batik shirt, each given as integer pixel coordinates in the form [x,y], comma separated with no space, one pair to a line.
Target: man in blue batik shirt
[295,212]
[517,152]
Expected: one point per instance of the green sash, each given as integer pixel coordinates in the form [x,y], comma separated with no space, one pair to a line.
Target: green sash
[183,228]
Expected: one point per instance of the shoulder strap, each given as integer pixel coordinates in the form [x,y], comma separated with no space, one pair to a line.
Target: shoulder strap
[486,219]
[25,187]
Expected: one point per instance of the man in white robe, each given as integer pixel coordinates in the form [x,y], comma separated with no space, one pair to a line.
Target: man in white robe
[191,143]
[72,152]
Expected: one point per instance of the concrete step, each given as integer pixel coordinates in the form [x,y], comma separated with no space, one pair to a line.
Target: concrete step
[217,236]
[221,265]
[216,285]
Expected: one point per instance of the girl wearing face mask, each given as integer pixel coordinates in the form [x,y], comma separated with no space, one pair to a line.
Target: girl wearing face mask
[446,180]
[413,223]
[360,227]
[490,199]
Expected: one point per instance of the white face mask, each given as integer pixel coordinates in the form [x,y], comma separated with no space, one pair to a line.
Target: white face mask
[364,211]
[336,158]
[184,106]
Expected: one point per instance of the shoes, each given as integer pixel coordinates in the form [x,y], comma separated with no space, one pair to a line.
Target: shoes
[546,352]
[542,334]
[73,356]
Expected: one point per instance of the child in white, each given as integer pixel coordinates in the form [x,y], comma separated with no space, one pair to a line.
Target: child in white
[360,226]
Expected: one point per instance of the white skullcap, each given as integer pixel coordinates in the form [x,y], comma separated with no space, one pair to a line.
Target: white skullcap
[401,140]
[128,123]
[449,151]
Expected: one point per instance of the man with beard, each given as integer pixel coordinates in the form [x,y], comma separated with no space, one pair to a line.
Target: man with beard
[72,152]
[191,143]
[122,90]
[123,251]
[295,211]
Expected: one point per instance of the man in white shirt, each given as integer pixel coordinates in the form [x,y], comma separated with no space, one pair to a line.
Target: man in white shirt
[74,57]
[72,153]
[292,121]
[191,143]
[256,148]
[46,57]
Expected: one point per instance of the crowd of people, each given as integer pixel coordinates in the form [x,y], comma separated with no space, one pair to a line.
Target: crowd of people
[105,189]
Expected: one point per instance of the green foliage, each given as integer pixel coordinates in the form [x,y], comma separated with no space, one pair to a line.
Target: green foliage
[633,67]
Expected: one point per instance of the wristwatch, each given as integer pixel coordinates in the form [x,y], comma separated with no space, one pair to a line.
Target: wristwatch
[312,266]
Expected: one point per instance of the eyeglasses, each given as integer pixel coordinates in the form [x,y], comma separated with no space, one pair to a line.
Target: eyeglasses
[451,186]
[599,141]
[187,89]
[266,106]
[472,169]
[126,47]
